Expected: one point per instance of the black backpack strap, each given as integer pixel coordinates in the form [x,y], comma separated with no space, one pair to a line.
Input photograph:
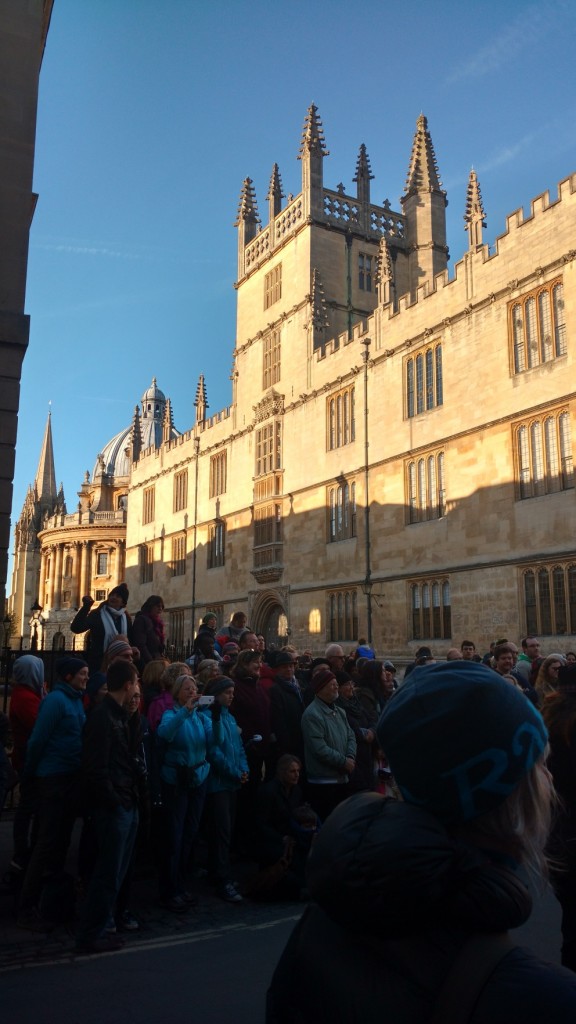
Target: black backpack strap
[474,965]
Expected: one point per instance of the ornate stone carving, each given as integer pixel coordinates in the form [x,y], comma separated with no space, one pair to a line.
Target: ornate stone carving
[271,405]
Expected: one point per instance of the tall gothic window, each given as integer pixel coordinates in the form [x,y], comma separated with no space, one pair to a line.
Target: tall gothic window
[179,555]
[537,326]
[218,465]
[340,414]
[544,455]
[271,360]
[180,496]
[273,286]
[216,545]
[342,511]
[268,448]
[550,599]
[343,615]
[365,272]
[423,381]
[426,487]
[431,610]
[148,505]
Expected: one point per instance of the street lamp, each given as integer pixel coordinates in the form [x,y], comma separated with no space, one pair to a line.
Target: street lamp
[367,584]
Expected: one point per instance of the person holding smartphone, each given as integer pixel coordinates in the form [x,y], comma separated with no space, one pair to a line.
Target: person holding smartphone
[187,735]
[229,771]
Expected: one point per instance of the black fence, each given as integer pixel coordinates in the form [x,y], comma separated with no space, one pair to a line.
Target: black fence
[50,655]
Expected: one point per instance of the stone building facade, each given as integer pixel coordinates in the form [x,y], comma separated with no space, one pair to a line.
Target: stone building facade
[397,458]
[61,556]
[23,31]
[398,455]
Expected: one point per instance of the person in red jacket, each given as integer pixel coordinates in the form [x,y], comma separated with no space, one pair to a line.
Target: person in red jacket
[27,694]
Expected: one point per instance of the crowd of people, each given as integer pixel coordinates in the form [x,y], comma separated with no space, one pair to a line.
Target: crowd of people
[255,750]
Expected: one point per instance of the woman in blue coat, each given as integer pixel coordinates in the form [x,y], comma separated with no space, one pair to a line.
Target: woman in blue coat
[229,771]
[185,736]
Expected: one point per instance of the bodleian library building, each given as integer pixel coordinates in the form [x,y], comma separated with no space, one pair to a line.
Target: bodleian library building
[397,459]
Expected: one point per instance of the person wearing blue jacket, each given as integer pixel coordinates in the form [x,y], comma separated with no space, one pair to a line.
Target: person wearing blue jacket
[229,771]
[185,735]
[53,759]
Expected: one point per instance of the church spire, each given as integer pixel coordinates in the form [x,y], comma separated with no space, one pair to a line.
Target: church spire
[312,153]
[45,482]
[201,401]
[474,217]
[363,175]
[275,193]
[423,175]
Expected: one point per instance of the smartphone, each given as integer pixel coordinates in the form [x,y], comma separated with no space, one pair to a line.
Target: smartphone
[205,701]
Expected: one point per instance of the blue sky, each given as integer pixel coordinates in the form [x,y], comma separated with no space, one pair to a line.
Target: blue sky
[152,114]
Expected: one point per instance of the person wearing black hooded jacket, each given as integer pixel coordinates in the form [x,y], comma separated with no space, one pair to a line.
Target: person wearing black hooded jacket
[404,892]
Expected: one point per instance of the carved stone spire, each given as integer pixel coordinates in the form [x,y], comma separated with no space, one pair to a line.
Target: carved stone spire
[313,134]
[423,175]
[247,206]
[474,217]
[384,273]
[312,153]
[363,175]
[201,401]
[135,436]
[319,321]
[275,193]
[167,422]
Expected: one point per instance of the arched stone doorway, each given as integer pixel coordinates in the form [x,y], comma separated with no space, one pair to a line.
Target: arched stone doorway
[58,642]
[270,619]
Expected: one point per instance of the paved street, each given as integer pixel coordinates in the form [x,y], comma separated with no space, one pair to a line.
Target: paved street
[212,965]
[212,975]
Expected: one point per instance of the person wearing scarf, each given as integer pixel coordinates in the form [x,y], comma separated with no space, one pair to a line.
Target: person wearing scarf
[105,623]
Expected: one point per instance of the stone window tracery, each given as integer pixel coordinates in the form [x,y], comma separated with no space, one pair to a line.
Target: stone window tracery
[430,609]
[424,388]
[273,286]
[549,593]
[544,455]
[426,487]
[340,416]
[537,326]
[343,615]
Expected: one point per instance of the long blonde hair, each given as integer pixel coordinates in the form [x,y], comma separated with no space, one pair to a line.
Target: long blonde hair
[522,822]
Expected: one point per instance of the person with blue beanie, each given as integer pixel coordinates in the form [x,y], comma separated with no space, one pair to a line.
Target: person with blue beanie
[413,898]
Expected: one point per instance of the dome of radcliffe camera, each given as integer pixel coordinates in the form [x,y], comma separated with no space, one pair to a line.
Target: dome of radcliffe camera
[116,461]
[152,409]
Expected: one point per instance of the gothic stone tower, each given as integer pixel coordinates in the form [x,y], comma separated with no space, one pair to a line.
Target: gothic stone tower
[41,500]
[312,272]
